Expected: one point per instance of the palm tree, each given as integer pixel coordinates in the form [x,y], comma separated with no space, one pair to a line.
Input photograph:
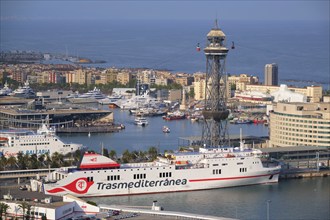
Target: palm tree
[3,209]
[33,162]
[24,206]
[127,157]
[41,159]
[57,159]
[22,160]
[12,162]
[3,162]
[153,152]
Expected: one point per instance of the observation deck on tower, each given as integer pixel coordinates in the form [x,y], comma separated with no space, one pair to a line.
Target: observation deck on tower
[216,42]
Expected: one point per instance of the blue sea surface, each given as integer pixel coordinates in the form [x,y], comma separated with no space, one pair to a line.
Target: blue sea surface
[300,48]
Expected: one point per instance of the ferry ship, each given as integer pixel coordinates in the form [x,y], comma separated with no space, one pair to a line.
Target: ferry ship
[209,168]
[29,142]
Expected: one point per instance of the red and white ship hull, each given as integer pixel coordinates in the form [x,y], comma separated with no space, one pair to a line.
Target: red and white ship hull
[199,171]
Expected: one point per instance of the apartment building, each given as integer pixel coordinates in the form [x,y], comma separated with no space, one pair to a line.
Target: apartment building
[124,77]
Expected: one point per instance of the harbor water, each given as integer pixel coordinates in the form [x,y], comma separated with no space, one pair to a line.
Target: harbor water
[135,137]
[304,199]
[289,199]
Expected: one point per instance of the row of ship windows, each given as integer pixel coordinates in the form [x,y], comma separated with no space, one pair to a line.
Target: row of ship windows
[125,169]
[114,177]
[165,174]
[243,170]
[35,144]
[224,164]
[32,140]
[216,171]
[140,176]
[135,176]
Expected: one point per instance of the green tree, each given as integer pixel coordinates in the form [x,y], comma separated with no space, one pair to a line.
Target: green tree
[113,154]
[24,206]
[57,159]
[105,152]
[127,157]
[3,210]
[152,152]
[33,162]
[22,160]
[191,92]
[3,162]
[12,162]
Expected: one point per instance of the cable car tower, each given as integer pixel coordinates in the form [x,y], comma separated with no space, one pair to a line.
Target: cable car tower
[215,131]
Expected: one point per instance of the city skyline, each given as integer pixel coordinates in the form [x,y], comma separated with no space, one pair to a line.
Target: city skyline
[170,10]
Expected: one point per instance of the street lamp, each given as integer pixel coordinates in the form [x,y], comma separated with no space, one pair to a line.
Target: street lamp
[268,202]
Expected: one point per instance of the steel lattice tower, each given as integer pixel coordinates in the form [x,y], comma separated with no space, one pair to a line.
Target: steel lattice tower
[215,131]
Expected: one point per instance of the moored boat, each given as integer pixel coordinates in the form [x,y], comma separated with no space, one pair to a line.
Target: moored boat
[5,90]
[209,168]
[141,121]
[174,116]
[28,142]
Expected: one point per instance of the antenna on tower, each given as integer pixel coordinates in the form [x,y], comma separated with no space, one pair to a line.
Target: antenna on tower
[216,23]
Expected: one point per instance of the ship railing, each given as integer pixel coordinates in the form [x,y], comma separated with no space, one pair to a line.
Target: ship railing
[134,165]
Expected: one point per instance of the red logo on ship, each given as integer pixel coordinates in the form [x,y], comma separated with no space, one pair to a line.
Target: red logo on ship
[79,186]
[94,159]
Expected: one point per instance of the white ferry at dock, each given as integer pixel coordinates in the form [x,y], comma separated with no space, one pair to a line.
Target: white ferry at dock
[29,142]
[210,168]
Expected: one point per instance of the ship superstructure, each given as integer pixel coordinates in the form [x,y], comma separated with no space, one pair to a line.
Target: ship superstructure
[29,142]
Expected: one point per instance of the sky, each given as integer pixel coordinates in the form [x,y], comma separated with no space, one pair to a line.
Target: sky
[165,9]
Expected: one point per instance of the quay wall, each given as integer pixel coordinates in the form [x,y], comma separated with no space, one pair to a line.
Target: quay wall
[304,174]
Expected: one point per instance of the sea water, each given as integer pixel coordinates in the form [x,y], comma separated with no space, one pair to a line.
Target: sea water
[300,48]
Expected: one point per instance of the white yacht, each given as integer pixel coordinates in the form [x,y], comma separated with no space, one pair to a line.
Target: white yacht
[5,90]
[95,93]
[141,121]
[138,101]
[24,91]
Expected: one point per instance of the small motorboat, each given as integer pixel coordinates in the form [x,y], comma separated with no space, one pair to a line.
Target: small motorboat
[166,129]
[141,121]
